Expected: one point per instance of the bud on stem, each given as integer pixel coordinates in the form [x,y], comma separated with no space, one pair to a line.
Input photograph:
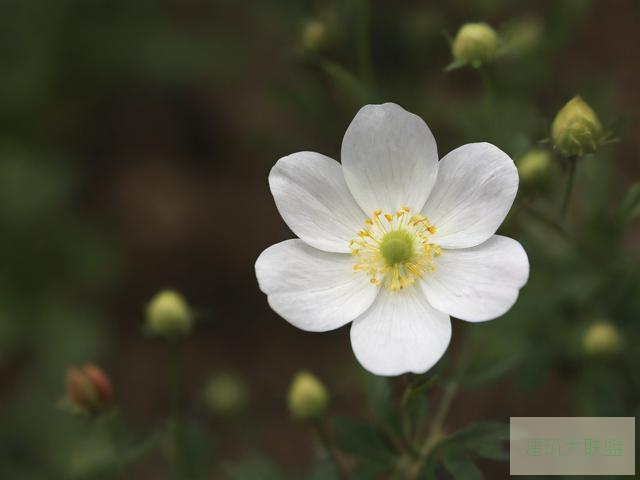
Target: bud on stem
[308,397]
[168,315]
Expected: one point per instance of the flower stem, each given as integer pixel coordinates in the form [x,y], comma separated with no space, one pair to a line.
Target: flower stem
[488,101]
[330,448]
[363,48]
[435,432]
[174,377]
[569,187]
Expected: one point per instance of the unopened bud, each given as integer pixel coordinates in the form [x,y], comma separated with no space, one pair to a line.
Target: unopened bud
[475,43]
[601,339]
[534,167]
[88,389]
[308,398]
[169,315]
[576,130]
[226,394]
[314,35]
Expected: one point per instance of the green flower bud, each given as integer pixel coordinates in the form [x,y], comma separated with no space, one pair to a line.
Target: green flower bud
[576,130]
[169,315]
[314,35]
[226,394]
[534,167]
[601,339]
[308,398]
[475,43]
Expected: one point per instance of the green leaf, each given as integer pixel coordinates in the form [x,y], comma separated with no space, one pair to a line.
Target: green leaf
[365,443]
[381,404]
[461,467]
[347,83]
[481,439]
[484,365]
[323,470]
[256,468]
[630,206]
[190,449]
[455,65]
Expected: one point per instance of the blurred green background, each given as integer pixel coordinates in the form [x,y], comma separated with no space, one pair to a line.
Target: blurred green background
[135,144]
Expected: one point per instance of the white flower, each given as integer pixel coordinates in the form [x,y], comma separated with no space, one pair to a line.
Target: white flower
[393,240]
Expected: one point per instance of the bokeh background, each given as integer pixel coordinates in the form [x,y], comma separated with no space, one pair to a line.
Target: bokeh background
[135,143]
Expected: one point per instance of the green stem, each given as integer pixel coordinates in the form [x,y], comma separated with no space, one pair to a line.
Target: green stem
[174,376]
[332,451]
[488,101]
[363,48]
[435,432]
[569,187]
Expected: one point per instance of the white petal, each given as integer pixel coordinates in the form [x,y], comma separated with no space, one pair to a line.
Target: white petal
[478,283]
[389,158]
[311,289]
[474,191]
[400,333]
[313,198]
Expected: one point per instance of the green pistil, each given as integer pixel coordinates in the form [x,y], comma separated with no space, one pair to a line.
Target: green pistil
[397,247]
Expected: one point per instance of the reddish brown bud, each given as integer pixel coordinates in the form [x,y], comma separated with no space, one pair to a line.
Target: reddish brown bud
[88,388]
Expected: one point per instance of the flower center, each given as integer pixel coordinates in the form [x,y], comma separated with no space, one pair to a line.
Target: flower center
[396,247]
[394,250]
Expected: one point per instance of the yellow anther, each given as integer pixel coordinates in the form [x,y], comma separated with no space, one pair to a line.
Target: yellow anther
[432,229]
[389,217]
[377,213]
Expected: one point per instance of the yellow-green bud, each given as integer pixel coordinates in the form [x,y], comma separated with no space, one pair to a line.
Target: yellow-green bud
[601,339]
[226,394]
[475,43]
[308,398]
[576,130]
[168,314]
[314,35]
[534,167]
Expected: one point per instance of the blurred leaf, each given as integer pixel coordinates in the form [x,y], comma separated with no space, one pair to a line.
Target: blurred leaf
[630,206]
[379,396]
[190,448]
[347,83]
[257,468]
[364,442]
[482,439]
[461,467]
[455,65]
[323,470]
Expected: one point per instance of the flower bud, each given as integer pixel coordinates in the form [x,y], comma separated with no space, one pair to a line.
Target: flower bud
[226,394]
[601,339]
[308,398]
[314,35]
[475,43]
[88,389]
[168,314]
[576,130]
[534,167]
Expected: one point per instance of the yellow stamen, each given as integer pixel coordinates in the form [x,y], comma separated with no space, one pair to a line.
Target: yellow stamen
[396,253]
